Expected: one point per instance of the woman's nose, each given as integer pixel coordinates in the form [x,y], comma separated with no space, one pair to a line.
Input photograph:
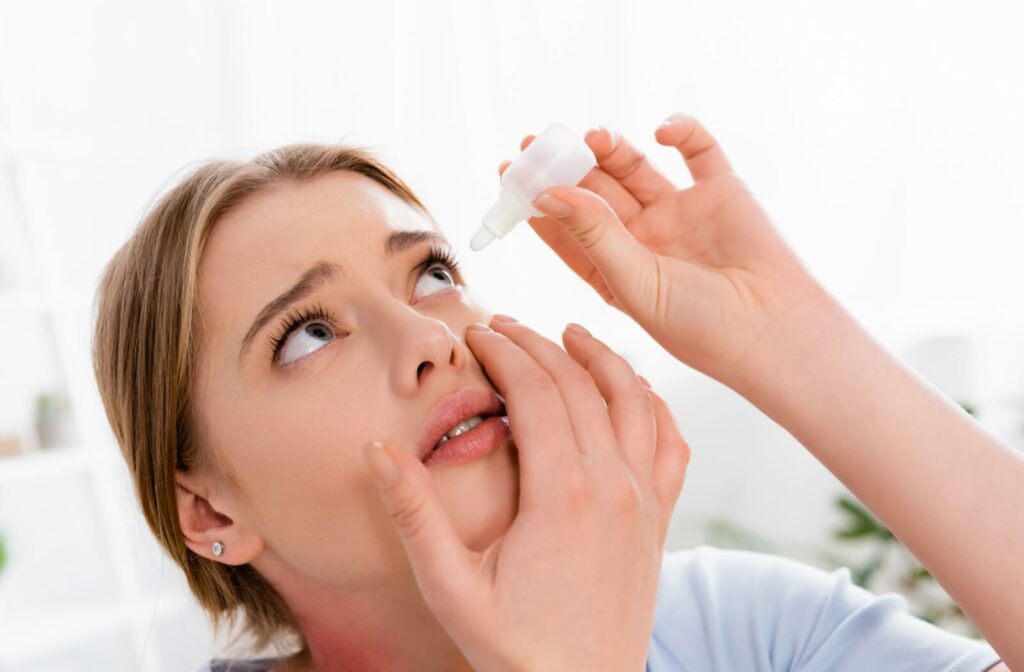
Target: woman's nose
[426,348]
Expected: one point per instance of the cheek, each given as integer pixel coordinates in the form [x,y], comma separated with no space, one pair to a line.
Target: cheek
[313,436]
[314,499]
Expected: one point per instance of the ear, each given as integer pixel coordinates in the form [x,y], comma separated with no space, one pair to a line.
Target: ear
[202,523]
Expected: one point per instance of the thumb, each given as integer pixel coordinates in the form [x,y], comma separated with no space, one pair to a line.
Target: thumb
[629,269]
[442,564]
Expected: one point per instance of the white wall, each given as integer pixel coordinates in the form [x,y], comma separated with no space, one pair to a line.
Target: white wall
[884,138]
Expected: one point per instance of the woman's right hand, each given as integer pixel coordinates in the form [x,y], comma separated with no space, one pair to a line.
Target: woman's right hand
[572,584]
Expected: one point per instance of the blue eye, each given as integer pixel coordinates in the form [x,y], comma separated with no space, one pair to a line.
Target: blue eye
[306,330]
[309,338]
[438,276]
[302,332]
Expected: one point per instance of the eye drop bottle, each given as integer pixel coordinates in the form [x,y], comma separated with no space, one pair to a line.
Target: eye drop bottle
[555,157]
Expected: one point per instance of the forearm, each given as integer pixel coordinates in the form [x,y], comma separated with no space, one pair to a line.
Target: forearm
[952,492]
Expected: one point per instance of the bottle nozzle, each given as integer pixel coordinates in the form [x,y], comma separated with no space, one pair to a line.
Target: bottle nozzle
[499,220]
[481,238]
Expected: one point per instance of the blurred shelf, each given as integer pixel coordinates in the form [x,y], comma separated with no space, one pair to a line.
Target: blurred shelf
[33,634]
[15,302]
[45,462]
[20,302]
[33,144]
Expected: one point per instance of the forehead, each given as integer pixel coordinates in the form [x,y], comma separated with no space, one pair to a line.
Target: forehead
[341,215]
[259,249]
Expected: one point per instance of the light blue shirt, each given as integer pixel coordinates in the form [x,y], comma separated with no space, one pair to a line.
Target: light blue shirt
[720,610]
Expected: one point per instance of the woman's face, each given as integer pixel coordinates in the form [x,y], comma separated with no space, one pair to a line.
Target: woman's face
[366,354]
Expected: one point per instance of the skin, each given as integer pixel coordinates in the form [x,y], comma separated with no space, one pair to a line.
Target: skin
[705,272]
[480,565]
[291,435]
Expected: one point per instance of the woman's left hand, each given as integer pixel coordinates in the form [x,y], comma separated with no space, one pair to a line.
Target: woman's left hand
[702,269]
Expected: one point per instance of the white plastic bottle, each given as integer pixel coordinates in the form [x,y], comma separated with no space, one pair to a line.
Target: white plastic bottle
[557,156]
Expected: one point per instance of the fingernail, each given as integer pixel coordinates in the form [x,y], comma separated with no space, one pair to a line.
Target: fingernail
[500,317]
[614,135]
[382,465]
[591,131]
[577,329]
[671,119]
[645,382]
[550,205]
[479,326]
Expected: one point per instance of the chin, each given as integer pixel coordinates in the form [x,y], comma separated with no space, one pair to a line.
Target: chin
[481,497]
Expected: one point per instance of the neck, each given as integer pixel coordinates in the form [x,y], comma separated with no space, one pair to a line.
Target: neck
[383,628]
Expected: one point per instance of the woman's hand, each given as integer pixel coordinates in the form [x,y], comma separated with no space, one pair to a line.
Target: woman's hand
[573,582]
[702,269]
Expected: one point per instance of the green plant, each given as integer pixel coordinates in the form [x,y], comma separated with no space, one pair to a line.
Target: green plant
[723,533]
[3,553]
[48,406]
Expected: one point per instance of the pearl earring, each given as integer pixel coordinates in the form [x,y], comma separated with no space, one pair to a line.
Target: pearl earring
[218,548]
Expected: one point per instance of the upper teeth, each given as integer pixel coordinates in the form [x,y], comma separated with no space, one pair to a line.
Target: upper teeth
[462,427]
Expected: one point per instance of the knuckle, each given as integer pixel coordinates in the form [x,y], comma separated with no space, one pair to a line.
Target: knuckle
[408,513]
[577,491]
[646,403]
[622,494]
[684,452]
[537,380]
[630,164]
[577,376]
[589,231]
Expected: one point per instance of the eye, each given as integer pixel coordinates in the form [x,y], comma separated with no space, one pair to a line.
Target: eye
[306,330]
[306,339]
[436,278]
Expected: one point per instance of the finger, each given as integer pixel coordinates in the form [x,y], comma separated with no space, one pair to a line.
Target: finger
[537,416]
[588,414]
[554,234]
[629,269]
[671,457]
[625,205]
[445,569]
[702,153]
[504,164]
[624,162]
[629,406]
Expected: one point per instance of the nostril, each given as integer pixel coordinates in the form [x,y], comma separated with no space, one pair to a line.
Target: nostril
[421,368]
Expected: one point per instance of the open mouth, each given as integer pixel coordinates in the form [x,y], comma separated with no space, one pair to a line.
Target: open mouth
[463,425]
[461,428]
[472,438]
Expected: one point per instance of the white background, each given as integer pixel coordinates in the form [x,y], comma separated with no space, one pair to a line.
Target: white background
[885,139]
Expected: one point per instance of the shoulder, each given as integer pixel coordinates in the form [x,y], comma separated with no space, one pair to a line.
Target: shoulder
[727,609]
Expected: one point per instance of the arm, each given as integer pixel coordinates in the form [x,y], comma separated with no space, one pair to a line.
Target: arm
[706,273]
[950,491]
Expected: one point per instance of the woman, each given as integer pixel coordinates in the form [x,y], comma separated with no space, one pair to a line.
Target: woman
[269,317]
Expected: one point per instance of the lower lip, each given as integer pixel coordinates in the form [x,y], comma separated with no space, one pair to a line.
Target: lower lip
[477,442]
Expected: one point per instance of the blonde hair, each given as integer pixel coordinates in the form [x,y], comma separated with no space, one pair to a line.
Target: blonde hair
[144,357]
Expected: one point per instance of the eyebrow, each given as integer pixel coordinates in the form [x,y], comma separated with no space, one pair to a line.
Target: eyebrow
[322,272]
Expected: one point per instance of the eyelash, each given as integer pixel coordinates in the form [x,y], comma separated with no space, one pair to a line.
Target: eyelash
[297,317]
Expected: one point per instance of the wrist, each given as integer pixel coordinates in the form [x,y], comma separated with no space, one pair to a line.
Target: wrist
[787,365]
